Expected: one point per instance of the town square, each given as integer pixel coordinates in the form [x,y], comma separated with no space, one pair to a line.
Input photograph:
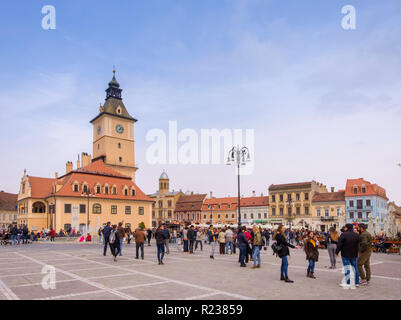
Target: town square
[200,151]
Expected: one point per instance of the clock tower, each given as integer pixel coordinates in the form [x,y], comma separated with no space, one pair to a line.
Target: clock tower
[113,132]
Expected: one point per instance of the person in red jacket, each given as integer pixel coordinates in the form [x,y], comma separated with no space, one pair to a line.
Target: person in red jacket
[52,234]
[88,238]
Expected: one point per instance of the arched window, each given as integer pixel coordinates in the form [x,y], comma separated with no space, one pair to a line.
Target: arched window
[97,208]
[38,207]
[133,193]
[98,188]
[119,145]
[106,189]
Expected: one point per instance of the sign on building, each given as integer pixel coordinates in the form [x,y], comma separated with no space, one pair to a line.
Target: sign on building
[75,217]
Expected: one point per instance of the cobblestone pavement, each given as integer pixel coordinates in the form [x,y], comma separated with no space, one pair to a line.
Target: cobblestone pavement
[83,273]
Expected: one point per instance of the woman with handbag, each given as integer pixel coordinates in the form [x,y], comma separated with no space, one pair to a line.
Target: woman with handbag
[283,252]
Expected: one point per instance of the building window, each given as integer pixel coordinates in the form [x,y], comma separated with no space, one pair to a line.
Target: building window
[351,203]
[297,197]
[113,209]
[326,212]
[359,215]
[82,208]
[133,192]
[120,159]
[114,190]
[273,198]
[218,216]
[273,211]
[351,215]
[359,204]
[106,190]
[141,211]
[318,212]
[97,208]
[226,216]
[265,215]
[229,206]
[98,189]
[306,196]
[281,211]
[289,198]
[281,198]
[211,216]
[75,188]
[67,208]
[363,190]
[259,216]
[355,190]
[306,210]
[153,215]
[245,216]
[368,204]
[127,209]
[232,216]
[126,192]
[119,145]
[169,214]
[85,188]
[298,210]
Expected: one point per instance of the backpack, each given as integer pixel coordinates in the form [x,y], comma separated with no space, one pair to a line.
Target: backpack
[112,237]
[276,248]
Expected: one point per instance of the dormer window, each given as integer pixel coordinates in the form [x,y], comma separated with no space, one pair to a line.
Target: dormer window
[355,190]
[75,187]
[106,190]
[363,189]
[133,192]
[126,192]
[98,189]
[114,190]
[85,188]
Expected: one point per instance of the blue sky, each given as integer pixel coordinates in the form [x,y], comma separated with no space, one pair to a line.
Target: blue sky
[324,102]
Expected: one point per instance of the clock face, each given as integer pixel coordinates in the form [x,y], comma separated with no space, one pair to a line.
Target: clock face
[119,128]
[99,128]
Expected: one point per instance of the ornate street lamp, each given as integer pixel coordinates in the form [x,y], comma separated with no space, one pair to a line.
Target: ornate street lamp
[240,157]
[289,202]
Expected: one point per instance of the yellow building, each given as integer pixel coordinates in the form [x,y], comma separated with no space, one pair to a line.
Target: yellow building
[8,209]
[164,202]
[326,209]
[99,190]
[292,203]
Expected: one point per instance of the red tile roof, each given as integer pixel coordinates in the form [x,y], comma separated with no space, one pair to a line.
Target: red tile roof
[255,201]
[8,201]
[191,202]
[96,173]
[290,185]
[371,189]
[222,202]
[40,187]
[329,196]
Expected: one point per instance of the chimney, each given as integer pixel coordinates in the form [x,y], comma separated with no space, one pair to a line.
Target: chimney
[211,194]
[261,194]
[253,193]
[68,167]
[78,163]
[86,159]
[56,175]
[332,189]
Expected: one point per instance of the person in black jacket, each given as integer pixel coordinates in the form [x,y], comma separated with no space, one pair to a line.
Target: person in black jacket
[160,236]
[191,239]
[281,241]
[14,234]
[243,246]
[106,234]
[114,241]
[348,245]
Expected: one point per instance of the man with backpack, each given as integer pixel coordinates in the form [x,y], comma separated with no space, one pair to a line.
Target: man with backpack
[25,233]
[106,234]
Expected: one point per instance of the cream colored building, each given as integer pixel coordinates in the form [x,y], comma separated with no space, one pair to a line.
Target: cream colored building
[99,190]
[327,208]
[292,203]
[164,202]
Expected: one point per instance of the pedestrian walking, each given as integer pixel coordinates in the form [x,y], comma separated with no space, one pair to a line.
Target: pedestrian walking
[167,240]
[99,232]
[365,251]
[160,243]
[198,239]
[52,234]
[283,252]
[312,253]
[348,245]
[257,244]
[114,242]
[106,234]
[229,240]
[185,239]
[140,237]
[212,240]
[25,233]
[331,241]
[121,235]
[191,239]
[149,236]
[222,241]
[243,246]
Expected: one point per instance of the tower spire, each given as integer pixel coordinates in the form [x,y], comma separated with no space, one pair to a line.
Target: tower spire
[114,91]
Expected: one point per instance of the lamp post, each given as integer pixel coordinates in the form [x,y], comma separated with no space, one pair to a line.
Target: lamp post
[239,156]
[87,193]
